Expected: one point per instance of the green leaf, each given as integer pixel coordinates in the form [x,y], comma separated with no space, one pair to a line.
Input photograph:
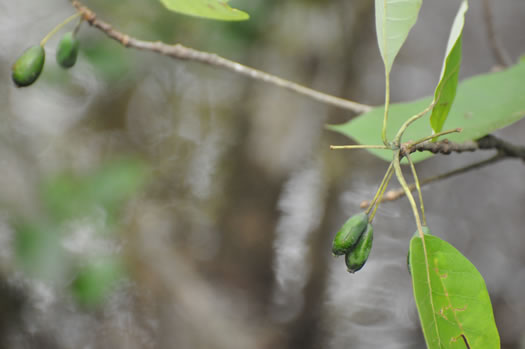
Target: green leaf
[37,248]
[483,104]
[394,19]
[67,197]
[95,281]
[451,297]
[211,9]
[115,182]
[448,82]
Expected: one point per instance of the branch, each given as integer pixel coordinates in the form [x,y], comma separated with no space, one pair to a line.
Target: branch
[185,53]
[394,194]
[505,151]
[488,142]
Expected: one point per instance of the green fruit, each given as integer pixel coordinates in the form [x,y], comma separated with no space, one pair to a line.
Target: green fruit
[28,66]
[356,258]
[426,231]
[67,50]
[349,234]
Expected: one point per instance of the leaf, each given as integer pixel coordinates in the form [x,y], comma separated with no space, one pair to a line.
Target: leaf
[95,281]
[211,9]
[451,297]
[67,197]
[115,182]
[37,249]
[448,82]
[484,103]
[394,19]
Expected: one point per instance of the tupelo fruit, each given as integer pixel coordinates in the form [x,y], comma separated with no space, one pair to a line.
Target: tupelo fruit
[67,50]
[28,66]
[347,237]
[356,258]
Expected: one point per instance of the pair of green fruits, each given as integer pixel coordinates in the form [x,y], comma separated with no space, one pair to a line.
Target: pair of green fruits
[30,64]
[354,240]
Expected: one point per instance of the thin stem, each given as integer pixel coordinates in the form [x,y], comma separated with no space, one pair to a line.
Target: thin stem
[390,172]
[359,146]
[402,129]
[58,27]
[181,52]
[404,185]
[378,192]
[395,194]
[436,135]
[402,181]
[418,186]
[77,27]
[387,104]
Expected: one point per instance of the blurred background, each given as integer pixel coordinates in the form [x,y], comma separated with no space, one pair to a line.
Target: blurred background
[153,203]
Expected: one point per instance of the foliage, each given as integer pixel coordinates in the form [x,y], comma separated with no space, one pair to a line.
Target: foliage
[484,103]
[95,280]
[394,19]
[453,302]
[451,297]
[446,89]
[68,198]
[212,9]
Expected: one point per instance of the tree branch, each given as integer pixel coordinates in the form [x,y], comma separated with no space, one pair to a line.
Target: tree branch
[394,194]
[505,150]
[488,142]
[185,53]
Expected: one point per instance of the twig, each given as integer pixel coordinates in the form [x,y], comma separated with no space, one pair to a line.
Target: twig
[505,151]
[185,53]
[395,194]
[442,147]
[497,49]
[435,136]
[418,187]
[506,148]
[485,143]
[358,146]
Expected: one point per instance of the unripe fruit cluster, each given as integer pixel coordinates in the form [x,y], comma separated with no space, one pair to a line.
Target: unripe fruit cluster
[30,64]
[354,240]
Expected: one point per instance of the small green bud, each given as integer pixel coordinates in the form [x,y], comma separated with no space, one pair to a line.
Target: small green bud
[356,258]
[28,66]
[67,50]
[347,236]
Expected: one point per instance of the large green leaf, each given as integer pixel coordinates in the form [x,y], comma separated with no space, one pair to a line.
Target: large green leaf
[212,9]
[451,297]
[483,104]
[394,19]
[448,82]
